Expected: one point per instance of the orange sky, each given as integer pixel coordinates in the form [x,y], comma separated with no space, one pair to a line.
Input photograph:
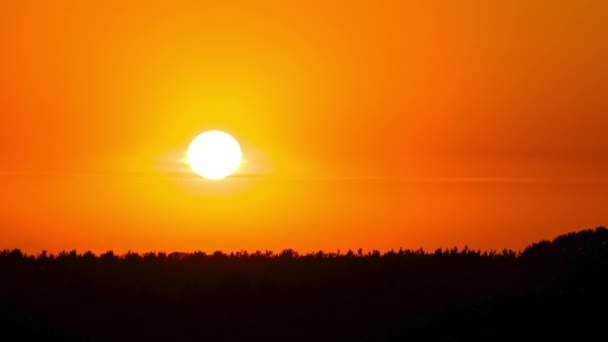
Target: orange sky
[366,124]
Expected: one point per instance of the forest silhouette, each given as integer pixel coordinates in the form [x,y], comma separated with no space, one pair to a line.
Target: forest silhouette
[552,290]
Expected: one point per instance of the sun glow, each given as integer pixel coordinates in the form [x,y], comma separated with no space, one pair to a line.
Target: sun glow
[214,155]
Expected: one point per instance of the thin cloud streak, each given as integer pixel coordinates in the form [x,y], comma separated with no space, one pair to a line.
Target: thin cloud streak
[191,175]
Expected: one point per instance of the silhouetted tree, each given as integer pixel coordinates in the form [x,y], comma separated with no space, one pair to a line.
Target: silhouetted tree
[553,290]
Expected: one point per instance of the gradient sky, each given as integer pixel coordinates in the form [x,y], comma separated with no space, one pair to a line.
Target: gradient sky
[367,124]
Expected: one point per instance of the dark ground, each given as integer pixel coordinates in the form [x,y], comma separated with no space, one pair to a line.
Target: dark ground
[554,290]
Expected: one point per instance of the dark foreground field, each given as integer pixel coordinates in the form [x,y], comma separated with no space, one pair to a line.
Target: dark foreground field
[552,291]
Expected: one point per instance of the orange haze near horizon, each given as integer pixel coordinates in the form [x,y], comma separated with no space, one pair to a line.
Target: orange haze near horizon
[363,124]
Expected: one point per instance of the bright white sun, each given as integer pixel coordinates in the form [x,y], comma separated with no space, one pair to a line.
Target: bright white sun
[214,154]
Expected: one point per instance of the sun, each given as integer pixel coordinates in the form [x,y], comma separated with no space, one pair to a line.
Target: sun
[214,155]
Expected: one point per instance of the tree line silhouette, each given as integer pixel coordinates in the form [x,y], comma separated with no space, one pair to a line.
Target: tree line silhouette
[552,290]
